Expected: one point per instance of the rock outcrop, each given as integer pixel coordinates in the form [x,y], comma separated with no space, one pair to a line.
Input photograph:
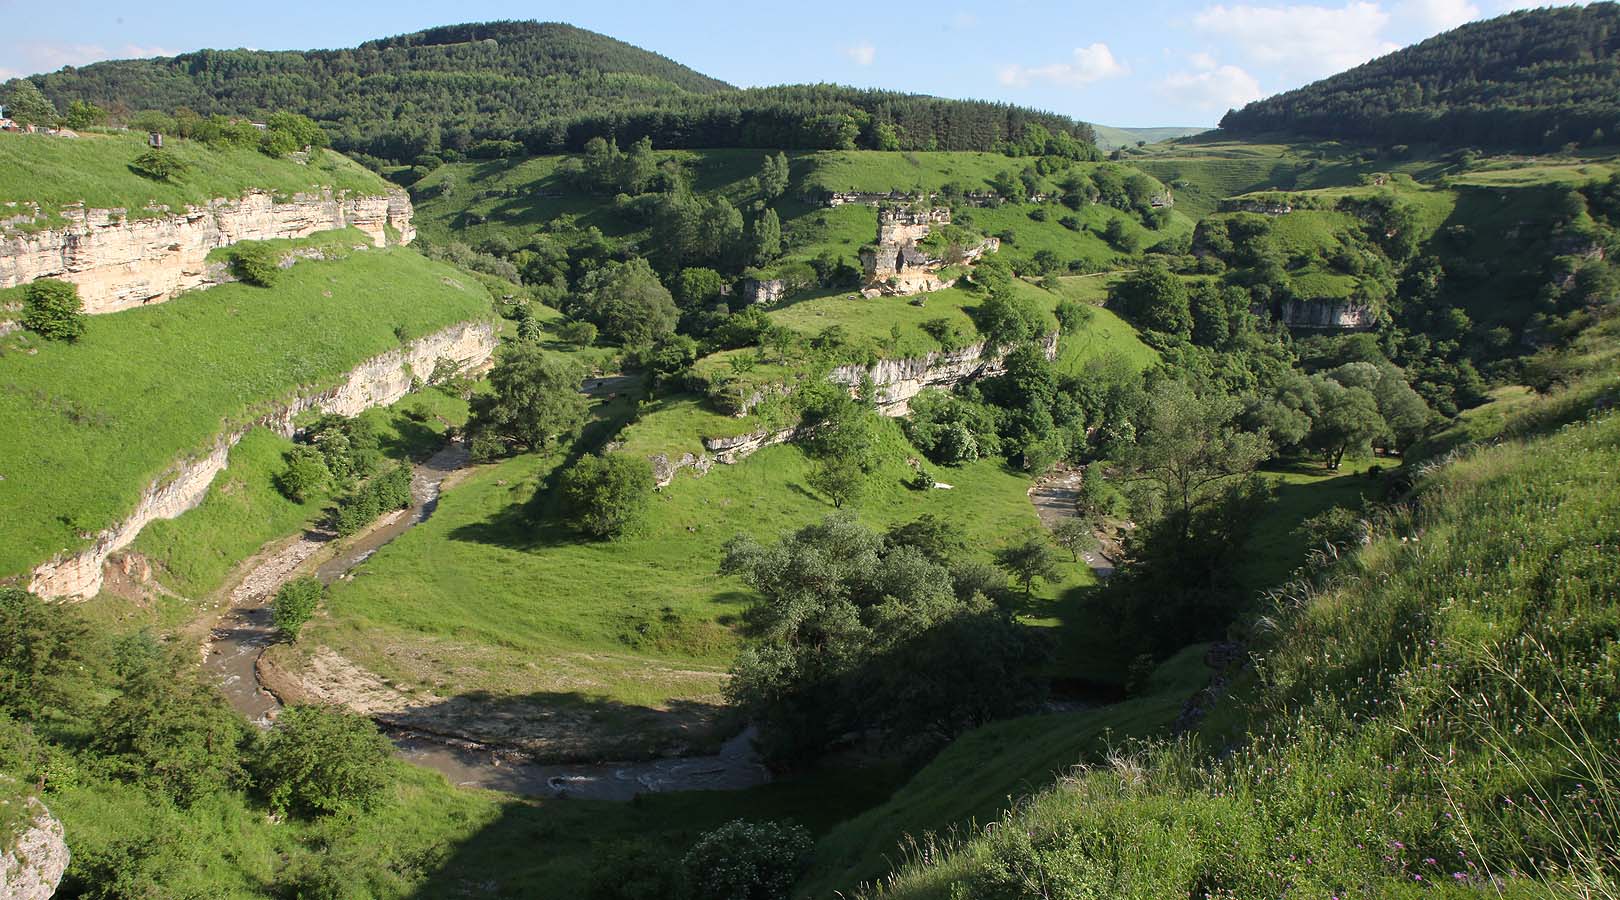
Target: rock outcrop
[897,266]
[119,262]
[899,380]
[33,863]
[1345,314]
[376,382]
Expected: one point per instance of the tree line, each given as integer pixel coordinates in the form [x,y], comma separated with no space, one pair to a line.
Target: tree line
[1540,78]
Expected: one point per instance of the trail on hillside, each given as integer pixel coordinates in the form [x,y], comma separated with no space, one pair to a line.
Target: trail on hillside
[232,657]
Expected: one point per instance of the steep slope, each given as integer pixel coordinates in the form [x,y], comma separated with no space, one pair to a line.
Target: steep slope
[548,85]
[1433,712]
[1540,78]
[1109,137]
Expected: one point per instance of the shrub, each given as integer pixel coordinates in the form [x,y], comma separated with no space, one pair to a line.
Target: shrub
[158,165]
[581,333]
[305,475]
[319,760]
[52,309]
[745,860]
[295,603]
[604,495]
[1073,316]
[256,262]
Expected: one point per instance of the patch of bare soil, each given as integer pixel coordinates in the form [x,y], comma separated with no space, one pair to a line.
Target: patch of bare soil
[545,725]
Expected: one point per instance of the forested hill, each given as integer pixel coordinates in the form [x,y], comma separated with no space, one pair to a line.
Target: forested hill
[547,86]
[1539,78]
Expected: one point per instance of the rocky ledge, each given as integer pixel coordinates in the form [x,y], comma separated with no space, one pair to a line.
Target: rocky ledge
[31,865]
[376,382]
[119,262]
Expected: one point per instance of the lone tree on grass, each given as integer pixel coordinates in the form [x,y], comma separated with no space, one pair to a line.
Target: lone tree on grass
[294,605]
[1075,536]
[1029,561]
[320,760]
[158,164]
[52,309]
[602,496]
[28,106]
[534,403]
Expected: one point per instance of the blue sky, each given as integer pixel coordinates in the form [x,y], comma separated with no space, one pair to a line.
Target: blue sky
[1140,62]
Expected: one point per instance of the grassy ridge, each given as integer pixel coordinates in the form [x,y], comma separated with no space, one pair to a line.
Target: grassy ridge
[651,627]
[94,170]
[1437,708]
[95,421]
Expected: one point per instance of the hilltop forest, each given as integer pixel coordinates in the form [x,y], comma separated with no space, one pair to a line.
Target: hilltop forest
[547,87]
[499,461]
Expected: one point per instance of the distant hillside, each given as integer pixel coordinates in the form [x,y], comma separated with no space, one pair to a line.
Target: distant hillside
[1109,137]
[1540,78]
[550,86]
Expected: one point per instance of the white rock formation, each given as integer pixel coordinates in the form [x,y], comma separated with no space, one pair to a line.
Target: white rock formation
[32,866]
[376,382]
[119,262]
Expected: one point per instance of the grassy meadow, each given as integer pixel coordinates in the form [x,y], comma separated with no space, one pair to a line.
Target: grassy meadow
[93,169]
[96,420]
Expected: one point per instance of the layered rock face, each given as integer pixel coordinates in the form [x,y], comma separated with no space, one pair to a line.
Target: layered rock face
[119,262]
[1343,314]
[897,382]
[376,382]
[32,866]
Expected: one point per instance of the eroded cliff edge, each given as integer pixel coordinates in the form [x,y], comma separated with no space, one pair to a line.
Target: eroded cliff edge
[119,261]
[378,381]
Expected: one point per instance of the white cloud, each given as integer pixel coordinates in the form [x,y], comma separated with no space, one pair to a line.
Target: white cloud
[1437,15]
[964,20]
[861,54]
[1212,87]
[37,58]
[1300,40]
[1091,64]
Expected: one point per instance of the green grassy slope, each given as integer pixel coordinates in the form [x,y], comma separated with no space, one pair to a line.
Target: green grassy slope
[986,771]
[94,170]
[1109,137]
[652,627]
[92,423]
[1435,710]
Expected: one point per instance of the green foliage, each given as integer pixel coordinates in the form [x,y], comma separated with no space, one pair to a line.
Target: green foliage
[1156,299]
[389,490]
[580,334]
[82,114]
[534,402]
[38,644]
[52,309]
[861,633]
[158,164]
[765,237]
[319,760]
[256,262]
[697,286]
[168,728]
[1073,316]
[1074,535]
[602,496]
[627,302]
[26,105]
[745,860]
[305,476]
[1008,319]
[1347,420]
[1028,561]
[294,605]
[1539,78]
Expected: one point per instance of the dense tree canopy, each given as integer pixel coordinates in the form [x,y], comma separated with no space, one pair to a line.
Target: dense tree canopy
[1540,78]
[546,87]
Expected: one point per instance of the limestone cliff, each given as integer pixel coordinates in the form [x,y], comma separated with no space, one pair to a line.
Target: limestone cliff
[32,863]
[896,380]
[378,381]
[1341,314]
[899,380]
[119,261]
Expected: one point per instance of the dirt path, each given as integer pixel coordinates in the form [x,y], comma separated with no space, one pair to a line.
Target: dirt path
[1055,495]
[235,646]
